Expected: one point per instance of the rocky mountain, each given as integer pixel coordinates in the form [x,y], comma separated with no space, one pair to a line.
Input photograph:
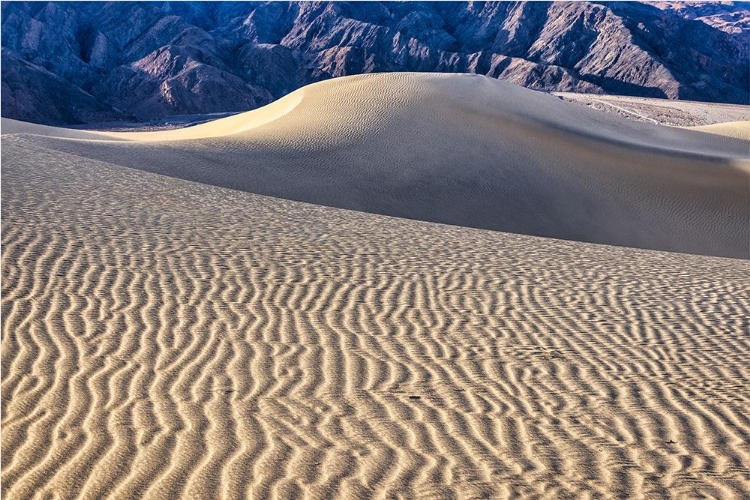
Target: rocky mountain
[732,17]
[84,62]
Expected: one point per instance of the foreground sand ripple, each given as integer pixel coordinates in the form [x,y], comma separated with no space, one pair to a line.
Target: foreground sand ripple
[163,338]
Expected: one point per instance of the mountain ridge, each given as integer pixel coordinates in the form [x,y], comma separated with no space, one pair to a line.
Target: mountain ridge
[143,61]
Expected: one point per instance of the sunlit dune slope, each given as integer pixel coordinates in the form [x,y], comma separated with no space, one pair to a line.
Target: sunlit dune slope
[464,150]
[734,130]
[217,128]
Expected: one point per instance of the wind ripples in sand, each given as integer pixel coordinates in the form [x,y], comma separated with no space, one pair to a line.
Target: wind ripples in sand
[464,150]
[163,338]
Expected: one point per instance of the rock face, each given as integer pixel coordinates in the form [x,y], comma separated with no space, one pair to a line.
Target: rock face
[731,17]
[31,93]
[68,62]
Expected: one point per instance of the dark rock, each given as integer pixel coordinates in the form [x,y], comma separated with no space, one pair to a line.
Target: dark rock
[31,93]
[148,60]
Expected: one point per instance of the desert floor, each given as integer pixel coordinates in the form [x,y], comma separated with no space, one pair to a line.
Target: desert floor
[662,111]
[232,310]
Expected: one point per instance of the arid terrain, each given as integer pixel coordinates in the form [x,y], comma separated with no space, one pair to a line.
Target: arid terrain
[662,111]
[69,63]
[290,303]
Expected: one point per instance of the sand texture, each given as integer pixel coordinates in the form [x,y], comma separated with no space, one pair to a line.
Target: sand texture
[736,130]
[465,150]
[662,111]
[164,338]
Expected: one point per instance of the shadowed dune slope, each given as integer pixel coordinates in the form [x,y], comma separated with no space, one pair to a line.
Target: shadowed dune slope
[169,339]
[464,150]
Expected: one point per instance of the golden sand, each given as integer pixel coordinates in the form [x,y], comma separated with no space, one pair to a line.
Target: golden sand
[164,338]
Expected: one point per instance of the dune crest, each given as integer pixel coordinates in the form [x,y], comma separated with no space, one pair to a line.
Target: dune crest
[734,130]
[370,100]
[241,122]
[464,150]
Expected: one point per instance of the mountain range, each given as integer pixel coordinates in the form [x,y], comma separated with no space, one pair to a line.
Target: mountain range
[67,63]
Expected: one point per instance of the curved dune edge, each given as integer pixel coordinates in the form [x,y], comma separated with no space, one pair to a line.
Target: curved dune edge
[235,124]
[464,150]
[170,339]
[734,130]
[525,104]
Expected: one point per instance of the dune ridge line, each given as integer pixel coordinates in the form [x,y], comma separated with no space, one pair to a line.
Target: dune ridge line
[465,150]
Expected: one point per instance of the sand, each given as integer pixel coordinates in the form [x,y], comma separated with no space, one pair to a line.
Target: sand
[165,338]
[736,130]
[662,111]
[464,150]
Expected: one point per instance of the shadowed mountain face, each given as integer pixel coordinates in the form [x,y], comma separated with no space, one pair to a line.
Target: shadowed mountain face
[67,63]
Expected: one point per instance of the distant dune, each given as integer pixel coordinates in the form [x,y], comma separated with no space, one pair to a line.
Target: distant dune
[737,130]
[465,150]
[163,338]
[676,112]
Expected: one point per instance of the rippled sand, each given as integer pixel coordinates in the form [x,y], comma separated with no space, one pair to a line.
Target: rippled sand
[165,338]
[465,150]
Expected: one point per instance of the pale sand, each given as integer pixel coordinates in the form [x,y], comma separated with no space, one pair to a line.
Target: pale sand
[164,338]
[662,111]
[464,150]
[736,130]
[235,124]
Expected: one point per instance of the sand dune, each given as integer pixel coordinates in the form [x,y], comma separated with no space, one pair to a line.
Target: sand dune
[464,150]
[217,128]
[663,111]
[166,339]
[735,130]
